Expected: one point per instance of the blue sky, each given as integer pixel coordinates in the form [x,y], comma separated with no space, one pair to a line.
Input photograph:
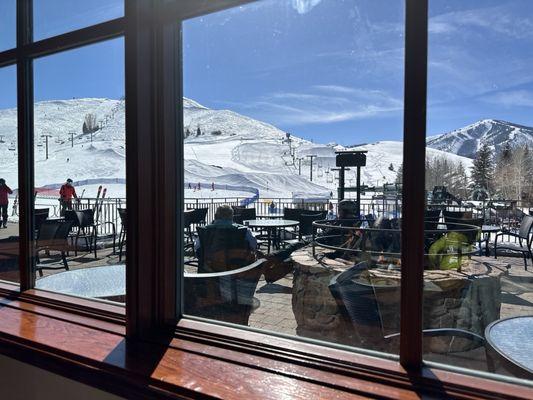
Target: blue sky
[327,70]
[91,71]
[332,70]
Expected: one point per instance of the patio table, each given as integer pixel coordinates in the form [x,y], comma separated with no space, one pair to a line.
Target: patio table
[512,339]
[271,226]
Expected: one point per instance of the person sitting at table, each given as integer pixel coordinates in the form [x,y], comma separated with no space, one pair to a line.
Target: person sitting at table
[345,238]
[223,245]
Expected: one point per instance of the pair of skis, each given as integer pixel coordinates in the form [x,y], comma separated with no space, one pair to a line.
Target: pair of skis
[100,196]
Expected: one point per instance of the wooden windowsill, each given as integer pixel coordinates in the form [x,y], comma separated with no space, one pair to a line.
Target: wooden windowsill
[200,358]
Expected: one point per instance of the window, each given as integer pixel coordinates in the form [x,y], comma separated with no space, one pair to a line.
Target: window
[266,108]
[479,174]
[9,212]
[80,185]
[205,120]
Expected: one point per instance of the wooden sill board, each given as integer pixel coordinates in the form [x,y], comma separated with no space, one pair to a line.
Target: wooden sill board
[189,365]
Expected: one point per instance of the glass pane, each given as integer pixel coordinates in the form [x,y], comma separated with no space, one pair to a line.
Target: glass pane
[480,186]
[80,184]
[8,24]
[54,17]
[272,91]
[9,216]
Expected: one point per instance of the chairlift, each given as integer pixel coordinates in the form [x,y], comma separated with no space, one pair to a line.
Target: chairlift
[40,144]
[12,147]
[2,139]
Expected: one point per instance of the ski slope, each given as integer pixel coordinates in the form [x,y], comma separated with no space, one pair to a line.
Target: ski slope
[238,154]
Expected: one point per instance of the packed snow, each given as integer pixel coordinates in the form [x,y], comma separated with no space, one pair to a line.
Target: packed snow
[228,154]
[495,133]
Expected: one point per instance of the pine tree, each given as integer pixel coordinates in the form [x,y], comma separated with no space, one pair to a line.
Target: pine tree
[483,169]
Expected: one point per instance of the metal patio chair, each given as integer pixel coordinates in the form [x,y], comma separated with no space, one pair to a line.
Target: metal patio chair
[524,236]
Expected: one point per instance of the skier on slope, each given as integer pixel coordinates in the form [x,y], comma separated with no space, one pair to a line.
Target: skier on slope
[4,201]
[66,193]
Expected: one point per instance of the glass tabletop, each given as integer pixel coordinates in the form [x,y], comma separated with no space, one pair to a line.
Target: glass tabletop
[270,223]
[513,339]
[490,228]
[105,281]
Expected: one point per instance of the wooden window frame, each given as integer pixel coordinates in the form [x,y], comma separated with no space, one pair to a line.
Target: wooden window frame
[154,149]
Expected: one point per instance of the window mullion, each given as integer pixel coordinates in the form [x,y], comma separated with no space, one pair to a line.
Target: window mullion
[413,197]
[25,144]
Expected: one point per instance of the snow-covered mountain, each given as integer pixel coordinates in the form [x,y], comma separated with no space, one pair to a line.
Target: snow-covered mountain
[467,141]
[234,152]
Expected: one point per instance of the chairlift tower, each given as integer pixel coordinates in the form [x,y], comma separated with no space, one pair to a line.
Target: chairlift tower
[311,157]
[2,139]
[299,165]
[46,136]
[71,138]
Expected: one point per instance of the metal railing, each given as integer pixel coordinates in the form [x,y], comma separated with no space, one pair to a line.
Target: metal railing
[106,210]
[495,213]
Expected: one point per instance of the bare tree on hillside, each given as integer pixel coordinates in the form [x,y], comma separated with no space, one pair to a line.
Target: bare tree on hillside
[89,124]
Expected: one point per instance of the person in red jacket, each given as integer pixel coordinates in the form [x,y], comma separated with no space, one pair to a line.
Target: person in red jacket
[4,201]
[66,193]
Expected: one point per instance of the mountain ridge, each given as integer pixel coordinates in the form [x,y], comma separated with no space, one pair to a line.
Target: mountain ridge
[466,141]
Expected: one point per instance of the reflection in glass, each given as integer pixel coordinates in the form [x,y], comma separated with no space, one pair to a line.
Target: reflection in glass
[479,184]
[276,235]
[9,215]
[80,202]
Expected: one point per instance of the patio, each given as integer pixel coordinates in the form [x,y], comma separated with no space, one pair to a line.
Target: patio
[274,310]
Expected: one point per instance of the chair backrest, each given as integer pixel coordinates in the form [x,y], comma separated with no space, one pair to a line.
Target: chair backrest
[122,214]
[455,215]
[70,215]
[85,218]
[293,213]
[525,227]
[188,218]
[223,296]
[241,214]
[306,222]
[355,299]
[223,248]
[63,230]
[199,215]
[431,215]
[41,215]
[48,231]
